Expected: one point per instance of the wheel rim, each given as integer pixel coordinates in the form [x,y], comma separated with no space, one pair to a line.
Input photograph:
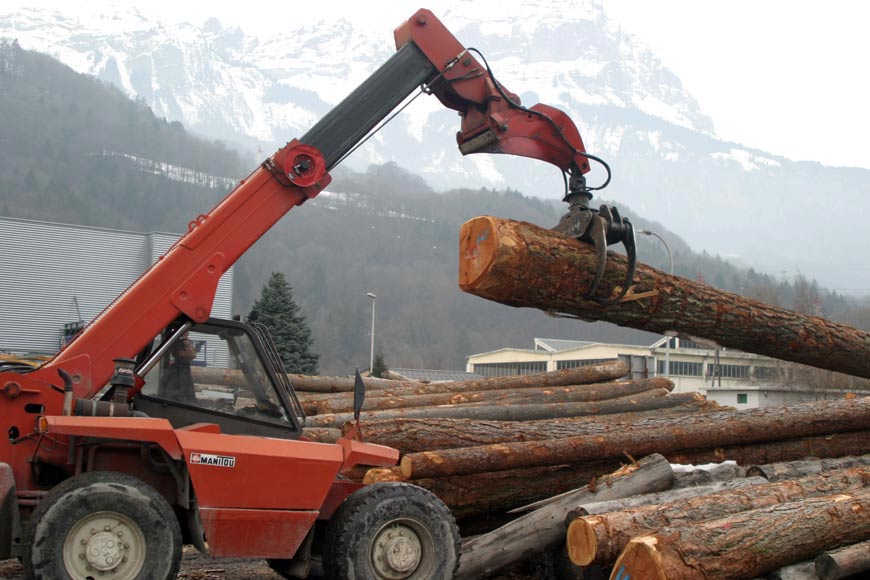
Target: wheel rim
[402,549]
[106,544]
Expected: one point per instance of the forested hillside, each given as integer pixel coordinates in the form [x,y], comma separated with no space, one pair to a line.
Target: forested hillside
[74,150]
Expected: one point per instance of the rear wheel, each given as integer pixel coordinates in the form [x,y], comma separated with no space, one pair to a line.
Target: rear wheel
[391,531]
[103,524]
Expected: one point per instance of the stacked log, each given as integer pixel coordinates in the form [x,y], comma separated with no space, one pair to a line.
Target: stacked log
[599,539]
[769,426]
[304,383]
[749,543]
[586,375]
[649,398]
[549,447]
[483,466]
[480,467]
[848,561]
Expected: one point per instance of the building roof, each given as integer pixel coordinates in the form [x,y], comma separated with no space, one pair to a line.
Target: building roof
[435,376]
[507,349]
[558,345]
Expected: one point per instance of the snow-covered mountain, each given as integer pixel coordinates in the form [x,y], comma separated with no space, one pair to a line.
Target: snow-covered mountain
[222,83]
[668,163]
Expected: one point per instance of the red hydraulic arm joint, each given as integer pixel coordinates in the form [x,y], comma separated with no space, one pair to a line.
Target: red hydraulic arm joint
[493,119]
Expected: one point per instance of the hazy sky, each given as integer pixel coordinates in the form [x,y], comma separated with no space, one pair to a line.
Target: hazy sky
[786,76]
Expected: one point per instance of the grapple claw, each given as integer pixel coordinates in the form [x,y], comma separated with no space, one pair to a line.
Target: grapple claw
[602,227]
[597,232]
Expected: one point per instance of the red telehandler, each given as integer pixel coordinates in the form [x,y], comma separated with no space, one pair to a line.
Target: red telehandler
[107,469]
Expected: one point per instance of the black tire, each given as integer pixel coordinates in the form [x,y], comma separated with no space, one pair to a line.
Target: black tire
[391,531]
[112,522]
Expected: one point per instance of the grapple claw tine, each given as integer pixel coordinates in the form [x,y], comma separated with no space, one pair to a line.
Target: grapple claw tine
[598,234]
[629,241]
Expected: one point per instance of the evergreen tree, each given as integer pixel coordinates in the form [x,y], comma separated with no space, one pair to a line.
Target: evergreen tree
[379,368]
[277,310]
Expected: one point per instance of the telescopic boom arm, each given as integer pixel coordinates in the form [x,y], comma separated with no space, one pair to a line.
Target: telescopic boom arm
[184,281]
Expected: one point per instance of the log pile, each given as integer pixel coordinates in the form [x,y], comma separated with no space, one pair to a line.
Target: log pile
[769,528]
[544,463]
[486,467]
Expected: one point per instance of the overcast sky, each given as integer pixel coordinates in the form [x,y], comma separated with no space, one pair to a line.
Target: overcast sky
[785,76]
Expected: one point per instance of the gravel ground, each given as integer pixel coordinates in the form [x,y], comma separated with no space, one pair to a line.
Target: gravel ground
[196,566]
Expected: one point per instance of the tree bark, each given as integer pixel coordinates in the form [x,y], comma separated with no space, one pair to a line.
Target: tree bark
[648,400]
[750,543]
[848,561]
[544,529]
[525,396]
[769,424]
[820,446]
[410,435]
[795,469]
[599,539]
[522,265]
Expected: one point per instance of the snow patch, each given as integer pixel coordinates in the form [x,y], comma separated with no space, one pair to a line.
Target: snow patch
[747,160]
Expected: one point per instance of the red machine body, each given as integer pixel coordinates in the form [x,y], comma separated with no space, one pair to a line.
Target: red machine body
[249,495]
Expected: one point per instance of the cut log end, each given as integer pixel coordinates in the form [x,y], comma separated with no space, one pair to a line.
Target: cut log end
[407,467]
[581,542]
[479,238]
[381,475]
[826,566]
[639,561]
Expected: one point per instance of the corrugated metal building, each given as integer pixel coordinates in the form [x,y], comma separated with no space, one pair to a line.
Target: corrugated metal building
[56,276]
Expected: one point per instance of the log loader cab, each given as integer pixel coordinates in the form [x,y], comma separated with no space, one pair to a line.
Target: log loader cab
[236,381]
[119,447]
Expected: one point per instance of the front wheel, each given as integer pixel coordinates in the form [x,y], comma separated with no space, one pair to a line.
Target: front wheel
[103,524]
[391,531]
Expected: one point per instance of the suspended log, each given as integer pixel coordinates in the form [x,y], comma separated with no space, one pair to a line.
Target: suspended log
[599,539]
[769,424]
[544,529]
[522,265]
[795,469]
[648,400]
[750,543]
[659,497]
[848,561]
[409,435]
[526,396]
[821,446]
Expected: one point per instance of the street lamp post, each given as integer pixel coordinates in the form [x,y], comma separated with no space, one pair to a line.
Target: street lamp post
[372,357]
[671,272]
